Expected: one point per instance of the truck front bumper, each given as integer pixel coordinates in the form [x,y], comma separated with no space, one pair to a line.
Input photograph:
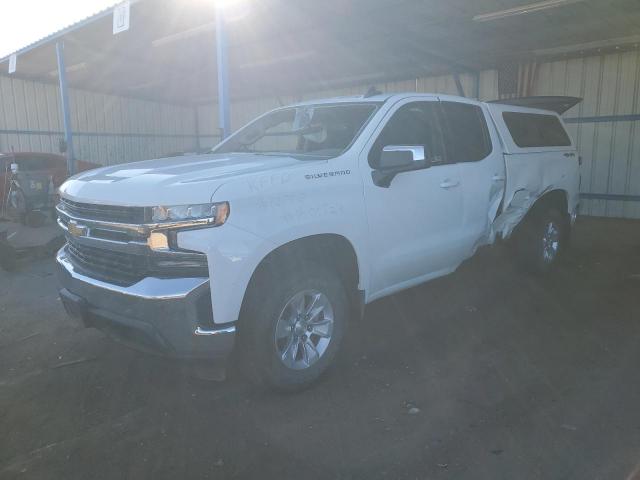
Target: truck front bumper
[169,316]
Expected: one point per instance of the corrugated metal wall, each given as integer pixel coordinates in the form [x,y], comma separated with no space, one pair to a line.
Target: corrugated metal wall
[112,129]
[107,129]
[606,126]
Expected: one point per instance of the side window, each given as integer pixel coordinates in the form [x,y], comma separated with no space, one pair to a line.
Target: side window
[413,124]
[536,130]
[467,136]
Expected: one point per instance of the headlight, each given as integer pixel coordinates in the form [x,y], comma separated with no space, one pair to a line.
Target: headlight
[213,214]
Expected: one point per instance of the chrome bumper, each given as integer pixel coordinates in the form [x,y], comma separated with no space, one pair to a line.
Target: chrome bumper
[169,316]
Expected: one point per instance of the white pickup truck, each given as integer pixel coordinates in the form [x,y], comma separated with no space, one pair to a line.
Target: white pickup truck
[283,232]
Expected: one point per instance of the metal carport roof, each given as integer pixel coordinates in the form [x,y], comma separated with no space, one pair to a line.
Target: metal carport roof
[286,46]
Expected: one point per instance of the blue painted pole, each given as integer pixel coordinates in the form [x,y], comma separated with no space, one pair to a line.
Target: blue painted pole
[223,75]
[64,100]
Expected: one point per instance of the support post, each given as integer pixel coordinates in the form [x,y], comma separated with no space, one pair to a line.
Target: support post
[64,100]
[223,75]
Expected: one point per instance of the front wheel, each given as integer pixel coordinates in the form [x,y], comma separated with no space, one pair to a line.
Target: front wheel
[293,325]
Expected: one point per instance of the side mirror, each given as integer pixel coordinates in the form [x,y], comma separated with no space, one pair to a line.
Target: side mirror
[400,157]
[395,159]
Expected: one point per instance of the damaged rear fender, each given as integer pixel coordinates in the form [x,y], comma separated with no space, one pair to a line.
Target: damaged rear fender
[521,203]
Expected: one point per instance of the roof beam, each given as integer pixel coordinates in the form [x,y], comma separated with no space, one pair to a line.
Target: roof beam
[59,35]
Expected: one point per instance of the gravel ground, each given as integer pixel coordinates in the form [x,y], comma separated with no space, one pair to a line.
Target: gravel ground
[486,374]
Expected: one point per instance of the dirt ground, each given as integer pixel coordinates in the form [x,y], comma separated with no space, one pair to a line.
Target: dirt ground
[506,376]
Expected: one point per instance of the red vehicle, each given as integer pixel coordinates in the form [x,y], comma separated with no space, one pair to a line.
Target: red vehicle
[32,186]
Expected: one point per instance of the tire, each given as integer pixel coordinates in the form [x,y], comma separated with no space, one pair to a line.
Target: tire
[542,239]
[270,329]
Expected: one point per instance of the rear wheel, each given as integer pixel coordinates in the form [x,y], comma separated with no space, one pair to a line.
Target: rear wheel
[292,325]
[541,239]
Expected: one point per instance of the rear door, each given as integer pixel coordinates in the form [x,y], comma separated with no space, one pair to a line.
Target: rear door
[473,144]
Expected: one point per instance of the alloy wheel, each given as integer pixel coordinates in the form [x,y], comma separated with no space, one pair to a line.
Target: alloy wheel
[303,330]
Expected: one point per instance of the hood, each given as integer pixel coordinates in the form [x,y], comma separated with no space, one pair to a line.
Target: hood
[170,181]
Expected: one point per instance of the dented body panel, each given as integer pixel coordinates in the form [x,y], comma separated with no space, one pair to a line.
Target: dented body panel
[532,172]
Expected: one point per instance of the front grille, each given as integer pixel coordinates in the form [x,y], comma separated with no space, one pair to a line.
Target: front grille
[94,253]
[125,269]
[104,213]
[113,267]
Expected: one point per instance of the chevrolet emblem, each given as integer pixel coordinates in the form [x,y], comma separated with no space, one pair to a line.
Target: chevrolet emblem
[76,230]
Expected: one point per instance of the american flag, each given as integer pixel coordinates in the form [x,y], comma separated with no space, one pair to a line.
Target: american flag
[516,79]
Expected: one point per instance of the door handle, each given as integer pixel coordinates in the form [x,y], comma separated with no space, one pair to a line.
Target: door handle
[449,183]
[498,178]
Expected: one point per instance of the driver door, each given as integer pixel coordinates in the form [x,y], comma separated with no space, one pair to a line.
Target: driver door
[415,224]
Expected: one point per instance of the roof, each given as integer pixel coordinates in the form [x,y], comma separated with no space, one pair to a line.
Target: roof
[52,37]
[346,99]
[284,47]
[556,104]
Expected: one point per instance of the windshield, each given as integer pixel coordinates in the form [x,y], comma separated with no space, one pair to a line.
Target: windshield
[315,130]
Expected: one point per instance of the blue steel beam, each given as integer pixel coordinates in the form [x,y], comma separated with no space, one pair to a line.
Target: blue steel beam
[224,122]
[64,100]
